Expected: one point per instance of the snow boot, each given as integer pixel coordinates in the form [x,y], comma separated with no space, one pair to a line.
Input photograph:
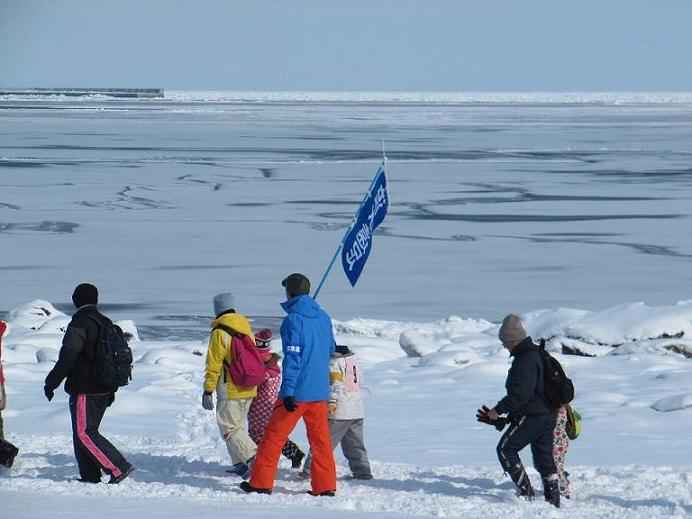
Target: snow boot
[551,490]
[8,453]
[326,493]
[249,489]
[297,459]
[248,468]
[565,485]
[238,469]
[523,483]
[358,477]
[292,452]
[117,479]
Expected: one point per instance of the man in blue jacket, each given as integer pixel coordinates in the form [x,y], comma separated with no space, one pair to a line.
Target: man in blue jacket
[308,343]
[531,420]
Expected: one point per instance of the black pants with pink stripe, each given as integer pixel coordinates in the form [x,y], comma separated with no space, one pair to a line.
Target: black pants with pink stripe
[94,453]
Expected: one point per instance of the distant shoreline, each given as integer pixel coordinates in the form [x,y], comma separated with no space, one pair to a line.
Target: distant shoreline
[379,97]
[433,97]
[85,92]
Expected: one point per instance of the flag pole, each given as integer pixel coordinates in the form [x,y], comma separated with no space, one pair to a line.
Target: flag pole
[341,243]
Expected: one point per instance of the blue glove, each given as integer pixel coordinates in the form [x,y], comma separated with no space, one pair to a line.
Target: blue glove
[207,401]
[290,403]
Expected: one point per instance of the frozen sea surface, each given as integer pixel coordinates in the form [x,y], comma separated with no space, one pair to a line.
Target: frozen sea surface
[499,202]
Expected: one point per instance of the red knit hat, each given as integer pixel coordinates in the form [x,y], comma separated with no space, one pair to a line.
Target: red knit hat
[263,338]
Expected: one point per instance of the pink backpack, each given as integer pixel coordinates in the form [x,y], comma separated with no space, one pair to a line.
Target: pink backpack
[247,367]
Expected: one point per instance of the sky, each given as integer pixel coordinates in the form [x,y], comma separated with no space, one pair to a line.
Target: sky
[366,45]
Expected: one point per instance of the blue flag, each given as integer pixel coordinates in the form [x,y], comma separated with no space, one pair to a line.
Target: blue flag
[358,241]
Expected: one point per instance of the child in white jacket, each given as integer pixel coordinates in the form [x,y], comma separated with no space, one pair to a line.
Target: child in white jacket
[346,413]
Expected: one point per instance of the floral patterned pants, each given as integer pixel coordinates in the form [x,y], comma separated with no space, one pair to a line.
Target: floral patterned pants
[261,411]
[560,445]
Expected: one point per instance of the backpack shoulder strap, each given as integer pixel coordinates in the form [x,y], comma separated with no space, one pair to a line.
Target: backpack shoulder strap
[100,324]
[230,331]
[97,350]
[234,334]
[101,320]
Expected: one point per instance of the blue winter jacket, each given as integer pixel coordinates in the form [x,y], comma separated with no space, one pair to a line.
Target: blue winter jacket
[308,343]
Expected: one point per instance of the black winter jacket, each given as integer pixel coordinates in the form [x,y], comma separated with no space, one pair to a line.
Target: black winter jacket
[77,354]
[525,388]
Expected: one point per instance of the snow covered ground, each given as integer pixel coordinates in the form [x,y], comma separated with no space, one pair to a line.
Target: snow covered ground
[423,381]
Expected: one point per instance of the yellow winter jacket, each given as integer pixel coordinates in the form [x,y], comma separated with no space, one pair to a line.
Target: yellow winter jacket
[219,356]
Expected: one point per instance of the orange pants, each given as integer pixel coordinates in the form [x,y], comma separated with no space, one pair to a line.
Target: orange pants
[282,423]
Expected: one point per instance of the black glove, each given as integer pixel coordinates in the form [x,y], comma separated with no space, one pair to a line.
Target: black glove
[500,423]
[111,399]
[482,416]
[50,393]
[290,404]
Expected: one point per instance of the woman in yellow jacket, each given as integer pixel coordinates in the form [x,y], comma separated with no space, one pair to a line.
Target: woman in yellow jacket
[233,402]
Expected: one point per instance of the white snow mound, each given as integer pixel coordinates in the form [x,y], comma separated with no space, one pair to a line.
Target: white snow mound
[674,403]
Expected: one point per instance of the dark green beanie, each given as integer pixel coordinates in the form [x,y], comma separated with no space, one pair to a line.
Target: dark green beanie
[296,284]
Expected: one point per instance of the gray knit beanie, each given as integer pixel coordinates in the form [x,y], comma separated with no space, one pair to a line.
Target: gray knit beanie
[223,303]
[512,330]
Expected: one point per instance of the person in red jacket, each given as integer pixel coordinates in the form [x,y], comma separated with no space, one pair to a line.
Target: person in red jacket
[7,451]
[3,396]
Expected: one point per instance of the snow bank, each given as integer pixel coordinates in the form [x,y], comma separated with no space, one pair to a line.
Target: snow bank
[423,339]
[621,330]
[37,315]
[36,330]
[616,325]
[674,403]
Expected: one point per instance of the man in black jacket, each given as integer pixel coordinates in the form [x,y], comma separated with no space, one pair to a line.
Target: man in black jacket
[531,420]
[88,398]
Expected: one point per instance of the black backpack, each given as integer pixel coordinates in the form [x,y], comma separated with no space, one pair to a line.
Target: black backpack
[112,364]
[558,389]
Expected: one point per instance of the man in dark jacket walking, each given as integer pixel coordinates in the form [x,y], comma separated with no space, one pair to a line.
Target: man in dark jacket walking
[531,420]
[88,397]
